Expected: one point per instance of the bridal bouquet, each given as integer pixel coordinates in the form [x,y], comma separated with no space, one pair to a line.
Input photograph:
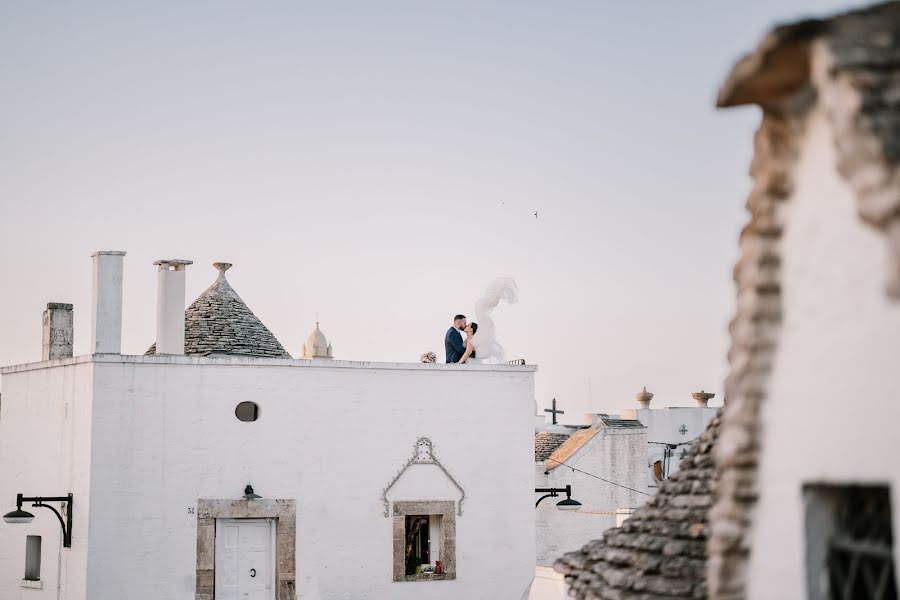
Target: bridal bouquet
[428,357]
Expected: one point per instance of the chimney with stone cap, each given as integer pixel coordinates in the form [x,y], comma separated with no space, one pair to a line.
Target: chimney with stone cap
[644,397]
[170,305]
[106,302]
[57,335]
[702,398]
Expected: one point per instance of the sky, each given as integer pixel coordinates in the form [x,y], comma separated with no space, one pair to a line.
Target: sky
[376,165]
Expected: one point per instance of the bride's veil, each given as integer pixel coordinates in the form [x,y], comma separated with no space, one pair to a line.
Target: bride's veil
[485,340]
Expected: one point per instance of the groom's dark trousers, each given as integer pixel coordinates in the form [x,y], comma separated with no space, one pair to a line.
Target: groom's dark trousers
[453,345]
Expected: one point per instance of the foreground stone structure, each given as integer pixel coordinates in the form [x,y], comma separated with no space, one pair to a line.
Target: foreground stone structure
[830,137]
[803,492]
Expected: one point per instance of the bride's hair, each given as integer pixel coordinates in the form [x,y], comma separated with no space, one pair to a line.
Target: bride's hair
[474,327]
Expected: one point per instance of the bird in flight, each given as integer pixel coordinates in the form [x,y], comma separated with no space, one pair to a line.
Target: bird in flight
[535,214]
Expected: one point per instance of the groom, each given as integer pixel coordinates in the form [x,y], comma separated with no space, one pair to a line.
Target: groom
[453,342]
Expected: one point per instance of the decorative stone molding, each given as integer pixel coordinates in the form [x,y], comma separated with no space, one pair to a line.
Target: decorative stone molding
[423,454]
[445,509]
[285,514]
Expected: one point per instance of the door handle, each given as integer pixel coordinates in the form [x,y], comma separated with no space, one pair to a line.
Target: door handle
[252,572]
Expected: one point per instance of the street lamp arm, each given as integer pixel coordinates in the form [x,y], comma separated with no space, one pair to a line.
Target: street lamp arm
[42,502]
[58,516]
[553,493]
[545,496]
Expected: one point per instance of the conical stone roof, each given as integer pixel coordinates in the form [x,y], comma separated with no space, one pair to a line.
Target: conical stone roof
[218,322]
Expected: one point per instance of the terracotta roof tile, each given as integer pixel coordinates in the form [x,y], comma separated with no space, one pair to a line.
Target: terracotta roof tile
[570,447]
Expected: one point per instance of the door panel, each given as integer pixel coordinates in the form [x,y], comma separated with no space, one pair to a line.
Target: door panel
[244,559]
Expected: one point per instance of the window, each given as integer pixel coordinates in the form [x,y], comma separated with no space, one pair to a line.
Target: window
[849,542]
[247,411]
[424,540]
[33,558]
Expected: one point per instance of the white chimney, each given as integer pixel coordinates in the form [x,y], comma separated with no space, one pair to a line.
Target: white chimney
[57,334]
[170,306]
[106,302]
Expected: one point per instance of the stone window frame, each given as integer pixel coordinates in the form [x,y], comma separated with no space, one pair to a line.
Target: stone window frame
[283,511]
[447,511]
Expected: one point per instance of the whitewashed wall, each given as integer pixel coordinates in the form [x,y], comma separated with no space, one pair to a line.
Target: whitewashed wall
[45,424]
[833,410]
[615,454]
[664,427]
[331,435]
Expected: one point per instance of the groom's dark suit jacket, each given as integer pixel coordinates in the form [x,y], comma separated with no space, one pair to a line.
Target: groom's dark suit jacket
[453,345]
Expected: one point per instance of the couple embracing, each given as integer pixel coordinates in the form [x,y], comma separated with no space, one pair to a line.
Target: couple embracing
[458,351]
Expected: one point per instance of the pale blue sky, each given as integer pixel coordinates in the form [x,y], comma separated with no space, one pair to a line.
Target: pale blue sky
[378,163]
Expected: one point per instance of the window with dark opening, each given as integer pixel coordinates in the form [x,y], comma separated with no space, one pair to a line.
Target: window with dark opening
[849,543]
[247,411]
[417,546]
[33,558]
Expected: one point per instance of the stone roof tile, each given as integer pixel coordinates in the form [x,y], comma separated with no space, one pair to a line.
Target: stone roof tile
[219,322]
[545,442]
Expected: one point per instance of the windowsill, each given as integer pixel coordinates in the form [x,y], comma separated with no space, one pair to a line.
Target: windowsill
[35,584]
[428,577]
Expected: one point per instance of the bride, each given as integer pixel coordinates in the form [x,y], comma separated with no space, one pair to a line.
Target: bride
[468,356]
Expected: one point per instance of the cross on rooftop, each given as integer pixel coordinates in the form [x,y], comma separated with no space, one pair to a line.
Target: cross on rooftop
[683,430]
[554,411]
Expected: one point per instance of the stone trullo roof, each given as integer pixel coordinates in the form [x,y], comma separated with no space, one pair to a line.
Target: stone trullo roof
[660,552]
[218,322]
[545,442]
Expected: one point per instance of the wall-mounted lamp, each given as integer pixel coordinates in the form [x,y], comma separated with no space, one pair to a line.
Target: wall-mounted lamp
[249,494]
[22,516]
[567,504]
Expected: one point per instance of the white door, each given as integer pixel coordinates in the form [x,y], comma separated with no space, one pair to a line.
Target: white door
[245,559]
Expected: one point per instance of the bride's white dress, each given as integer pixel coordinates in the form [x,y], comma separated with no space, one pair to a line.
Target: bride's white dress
[487,348]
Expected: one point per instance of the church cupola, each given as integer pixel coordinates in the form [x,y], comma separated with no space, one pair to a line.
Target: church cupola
[316,345]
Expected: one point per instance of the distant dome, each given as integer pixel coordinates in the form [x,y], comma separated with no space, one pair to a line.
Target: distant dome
[218,322]
[317,345]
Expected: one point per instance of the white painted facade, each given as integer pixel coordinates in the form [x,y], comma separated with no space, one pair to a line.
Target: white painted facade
[831,414]
[677,425]
[618,455]
[139,439]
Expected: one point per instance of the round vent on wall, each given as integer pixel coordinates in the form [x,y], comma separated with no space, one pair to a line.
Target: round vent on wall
[247,411]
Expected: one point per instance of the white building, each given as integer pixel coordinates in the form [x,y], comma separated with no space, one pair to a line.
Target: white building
[671,431]
[364,470]
[613,464]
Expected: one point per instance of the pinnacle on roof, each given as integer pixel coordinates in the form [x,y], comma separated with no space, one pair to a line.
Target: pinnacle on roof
[219,322]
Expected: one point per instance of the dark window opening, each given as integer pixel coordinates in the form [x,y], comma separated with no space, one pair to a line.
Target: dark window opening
[247,411]
[418,545]
[849,543]
[33,558]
